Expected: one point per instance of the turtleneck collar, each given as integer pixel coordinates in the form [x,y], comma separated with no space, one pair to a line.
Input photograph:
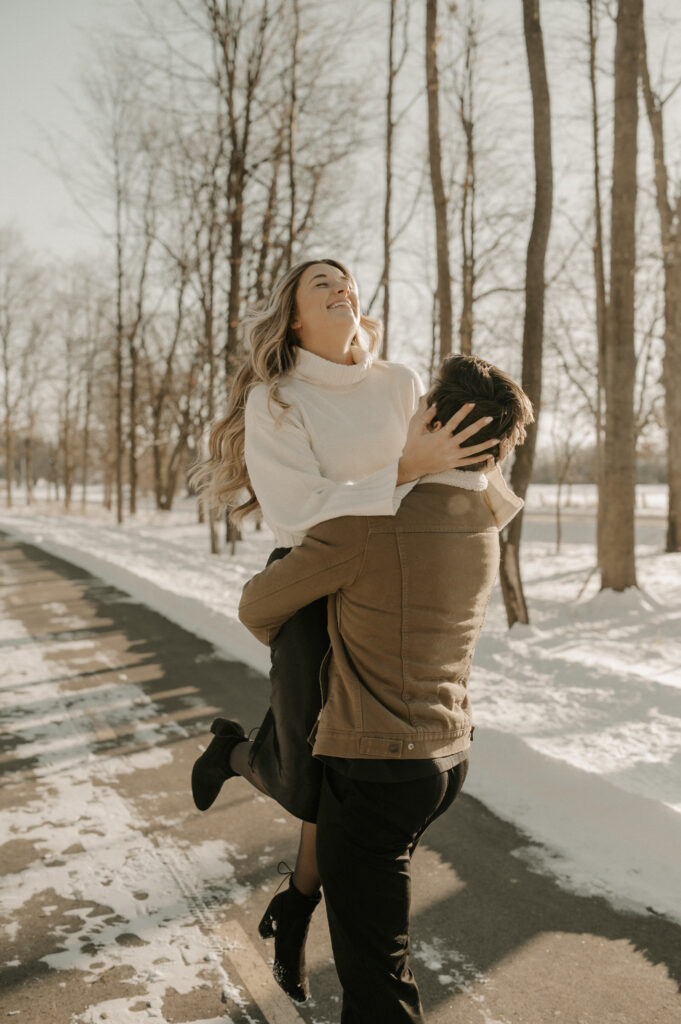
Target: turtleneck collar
[316,370]
[468,479]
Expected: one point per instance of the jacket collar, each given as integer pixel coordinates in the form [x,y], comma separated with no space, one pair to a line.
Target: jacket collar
[469,480]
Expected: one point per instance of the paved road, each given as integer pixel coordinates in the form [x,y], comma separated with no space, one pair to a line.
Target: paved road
[124,904]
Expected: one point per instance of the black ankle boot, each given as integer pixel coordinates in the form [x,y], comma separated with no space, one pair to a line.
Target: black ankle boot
[213,767]
[288,919]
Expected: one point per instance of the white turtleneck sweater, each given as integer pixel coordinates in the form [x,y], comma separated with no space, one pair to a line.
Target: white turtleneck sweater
[335,451]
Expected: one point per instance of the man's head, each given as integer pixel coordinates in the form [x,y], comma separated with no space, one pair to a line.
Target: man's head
[464,379]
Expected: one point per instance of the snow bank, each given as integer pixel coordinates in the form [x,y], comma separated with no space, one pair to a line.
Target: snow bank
[599,840]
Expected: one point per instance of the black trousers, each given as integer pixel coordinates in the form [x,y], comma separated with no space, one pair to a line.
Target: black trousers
[366,835]
[280,755]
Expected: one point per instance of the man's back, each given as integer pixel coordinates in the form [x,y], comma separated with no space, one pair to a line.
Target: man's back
[403,631]
[409,594]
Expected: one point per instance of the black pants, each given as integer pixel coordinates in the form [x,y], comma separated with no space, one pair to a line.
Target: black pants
[366,835]
[280,755]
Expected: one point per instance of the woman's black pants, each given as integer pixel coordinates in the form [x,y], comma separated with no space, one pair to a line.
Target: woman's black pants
[280,754]
[366,835]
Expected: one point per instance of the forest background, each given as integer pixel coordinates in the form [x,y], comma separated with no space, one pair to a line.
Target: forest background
[470,161]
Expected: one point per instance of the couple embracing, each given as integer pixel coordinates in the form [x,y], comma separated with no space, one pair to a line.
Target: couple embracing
[386,507]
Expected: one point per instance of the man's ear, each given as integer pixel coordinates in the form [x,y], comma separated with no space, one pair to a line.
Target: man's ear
[435,425]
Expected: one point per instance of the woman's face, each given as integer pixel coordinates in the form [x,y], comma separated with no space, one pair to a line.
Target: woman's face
[327,307]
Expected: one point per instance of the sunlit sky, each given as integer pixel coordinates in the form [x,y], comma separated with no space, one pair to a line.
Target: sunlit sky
[43,48]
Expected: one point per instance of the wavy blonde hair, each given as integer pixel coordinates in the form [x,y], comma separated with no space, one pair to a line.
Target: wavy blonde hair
[221,478]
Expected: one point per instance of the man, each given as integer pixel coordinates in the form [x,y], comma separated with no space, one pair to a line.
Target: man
[408,595]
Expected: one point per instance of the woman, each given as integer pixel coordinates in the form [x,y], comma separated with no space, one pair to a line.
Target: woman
[316,428]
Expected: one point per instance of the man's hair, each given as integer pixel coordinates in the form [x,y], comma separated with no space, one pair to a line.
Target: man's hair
[463,379]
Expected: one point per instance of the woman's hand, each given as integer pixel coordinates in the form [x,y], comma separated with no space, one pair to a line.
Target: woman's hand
[438,448]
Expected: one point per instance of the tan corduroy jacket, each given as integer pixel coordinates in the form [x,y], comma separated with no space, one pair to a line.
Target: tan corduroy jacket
[408,595]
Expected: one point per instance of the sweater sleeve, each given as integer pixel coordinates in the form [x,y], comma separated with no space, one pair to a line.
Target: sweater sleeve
[414,392]
[287,478]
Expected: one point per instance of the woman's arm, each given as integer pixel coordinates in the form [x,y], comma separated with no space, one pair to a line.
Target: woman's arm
[294,494]
[287,477]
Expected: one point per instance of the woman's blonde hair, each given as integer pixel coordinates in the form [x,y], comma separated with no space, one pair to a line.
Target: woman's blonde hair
[221,477]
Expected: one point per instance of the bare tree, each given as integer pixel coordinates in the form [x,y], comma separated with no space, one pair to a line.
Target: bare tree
[395,64]
[115,115]
[599,273]
[466,96]
[618,569]
[18,289]
[292,121]
[151,149]
[95,342]
[34,372]
[444,281]
[241,34]
[670,229]
[533,331]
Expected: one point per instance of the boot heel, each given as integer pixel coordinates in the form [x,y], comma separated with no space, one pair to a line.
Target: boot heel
[266,926]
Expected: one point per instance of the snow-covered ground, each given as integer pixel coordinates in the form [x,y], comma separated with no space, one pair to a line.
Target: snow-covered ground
[579,714]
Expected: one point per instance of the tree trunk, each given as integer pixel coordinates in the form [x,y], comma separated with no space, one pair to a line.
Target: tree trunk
[293,116]
[9,459]
[234,299]
[433,339]
[7,402]
[268,215]
[671,253]
[444,281]
[599,277]
[389,127]
[85,463]
[173,470]
[232,534]
[618,570]
[533,330]
[468,197]
[672,376]
[67,457]
[66,441]
[107,495]
[132,428]
[119,348]
[28,465]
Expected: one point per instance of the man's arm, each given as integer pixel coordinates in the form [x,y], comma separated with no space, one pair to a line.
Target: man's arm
[329,558]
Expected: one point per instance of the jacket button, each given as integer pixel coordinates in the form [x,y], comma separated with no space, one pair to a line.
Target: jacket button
[393,748]
[410,746]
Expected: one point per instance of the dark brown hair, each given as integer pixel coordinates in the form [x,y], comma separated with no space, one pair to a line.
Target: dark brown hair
[464,379]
